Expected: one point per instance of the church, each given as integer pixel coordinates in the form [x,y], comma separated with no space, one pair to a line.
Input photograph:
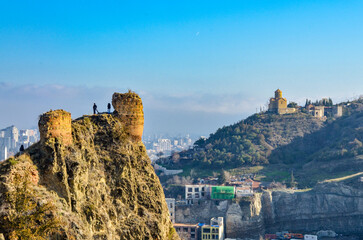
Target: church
[278,104]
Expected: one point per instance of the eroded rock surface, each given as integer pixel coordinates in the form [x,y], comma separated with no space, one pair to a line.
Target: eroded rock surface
[335,206]
[100,185]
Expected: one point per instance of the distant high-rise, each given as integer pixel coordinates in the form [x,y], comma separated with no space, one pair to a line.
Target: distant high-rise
[11,139]
[3,153]
[164,145]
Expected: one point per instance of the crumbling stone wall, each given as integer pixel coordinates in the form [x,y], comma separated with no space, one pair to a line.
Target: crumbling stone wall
[56,125]
[128,107]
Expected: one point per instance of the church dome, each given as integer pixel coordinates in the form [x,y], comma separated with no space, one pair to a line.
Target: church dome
[278,93]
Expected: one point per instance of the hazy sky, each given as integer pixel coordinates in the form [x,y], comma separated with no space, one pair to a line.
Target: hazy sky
[198,65]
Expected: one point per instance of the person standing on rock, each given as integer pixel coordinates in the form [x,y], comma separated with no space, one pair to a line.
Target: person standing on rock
[109,108]
[95,108]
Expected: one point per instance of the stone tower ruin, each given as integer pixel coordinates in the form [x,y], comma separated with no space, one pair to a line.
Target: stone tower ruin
[128,107]
[56,125]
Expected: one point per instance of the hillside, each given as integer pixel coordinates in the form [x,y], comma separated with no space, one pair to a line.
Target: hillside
[89,179]
[248,142]
[251,141]
[335,150]
[280,144]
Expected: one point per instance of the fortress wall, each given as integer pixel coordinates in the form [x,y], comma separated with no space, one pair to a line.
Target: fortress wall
[57,125]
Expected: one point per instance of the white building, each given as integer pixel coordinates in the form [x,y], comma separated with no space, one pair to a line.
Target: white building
[317,111]
[11,139]
[196,192]
[171,206]
[244,191]
[3,153]
[310,237]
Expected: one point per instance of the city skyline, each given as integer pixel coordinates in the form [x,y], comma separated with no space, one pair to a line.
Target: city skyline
[198,115]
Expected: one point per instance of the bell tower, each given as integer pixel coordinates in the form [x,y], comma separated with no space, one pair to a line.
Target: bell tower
[278,93]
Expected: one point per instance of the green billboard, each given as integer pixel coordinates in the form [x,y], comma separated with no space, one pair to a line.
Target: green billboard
[222,192]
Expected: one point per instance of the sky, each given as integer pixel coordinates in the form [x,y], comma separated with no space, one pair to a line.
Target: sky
[198,65]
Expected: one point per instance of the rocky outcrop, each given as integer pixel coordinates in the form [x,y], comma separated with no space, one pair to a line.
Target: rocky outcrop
[335,206]
[244,218]
[100,185]
[201,212]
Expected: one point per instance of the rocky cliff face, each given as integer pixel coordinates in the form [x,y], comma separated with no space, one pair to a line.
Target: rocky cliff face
[245,218]
[100,185]
[334,206]
[242,217]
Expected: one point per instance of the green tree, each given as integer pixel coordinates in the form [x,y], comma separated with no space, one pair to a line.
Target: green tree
[292,105]
[224,177]
[160,154]
[293,183]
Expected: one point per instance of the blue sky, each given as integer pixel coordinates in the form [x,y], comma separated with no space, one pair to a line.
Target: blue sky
[198,65]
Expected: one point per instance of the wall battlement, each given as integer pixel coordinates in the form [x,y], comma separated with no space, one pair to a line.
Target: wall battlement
[56,124]
[128,107]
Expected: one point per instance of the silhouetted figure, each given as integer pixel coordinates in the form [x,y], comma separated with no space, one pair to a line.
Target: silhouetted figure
[109,108]
[95,108]
[21,148]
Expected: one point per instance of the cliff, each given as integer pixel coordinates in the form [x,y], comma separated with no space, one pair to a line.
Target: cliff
[96,184]
[334,206]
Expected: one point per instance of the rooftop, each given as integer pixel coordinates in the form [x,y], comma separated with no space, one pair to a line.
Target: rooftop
[185,225]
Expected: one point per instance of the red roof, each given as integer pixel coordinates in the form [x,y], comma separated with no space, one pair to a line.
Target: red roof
[255,185]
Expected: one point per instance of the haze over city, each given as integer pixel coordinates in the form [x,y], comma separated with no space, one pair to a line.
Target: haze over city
[197,65]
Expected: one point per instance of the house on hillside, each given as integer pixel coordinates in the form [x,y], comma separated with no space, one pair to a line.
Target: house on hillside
[333,111]
[254,184]
[171,207]
[325,111]
[213,231]
[187,231]
[245,191]
[196,192]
